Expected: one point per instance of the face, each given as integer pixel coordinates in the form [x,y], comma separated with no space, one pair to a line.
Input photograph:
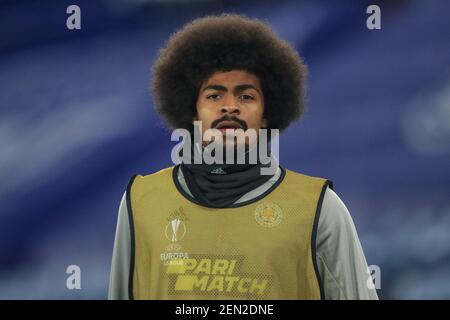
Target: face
[231,100]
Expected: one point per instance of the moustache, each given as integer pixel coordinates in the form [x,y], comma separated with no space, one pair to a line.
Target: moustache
[241,123]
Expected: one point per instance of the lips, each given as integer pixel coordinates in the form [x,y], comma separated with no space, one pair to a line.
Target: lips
[228,125]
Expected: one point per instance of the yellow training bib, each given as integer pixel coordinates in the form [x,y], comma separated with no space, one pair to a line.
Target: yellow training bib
[260,250]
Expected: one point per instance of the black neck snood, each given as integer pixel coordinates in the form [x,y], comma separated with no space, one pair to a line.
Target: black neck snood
[220,185]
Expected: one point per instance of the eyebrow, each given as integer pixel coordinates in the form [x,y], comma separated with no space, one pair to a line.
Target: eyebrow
[240,87]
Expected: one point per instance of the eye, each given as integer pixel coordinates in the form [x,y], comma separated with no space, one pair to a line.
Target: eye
[213,97]
[247,97]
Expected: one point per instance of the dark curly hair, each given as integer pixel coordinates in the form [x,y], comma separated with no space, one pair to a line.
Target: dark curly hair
[224,43]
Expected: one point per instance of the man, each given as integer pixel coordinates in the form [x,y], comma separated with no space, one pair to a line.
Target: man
[225,230]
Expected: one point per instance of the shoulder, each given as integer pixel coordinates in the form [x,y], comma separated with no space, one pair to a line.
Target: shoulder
[312,185]
[149,180]
[300,176]
[162,173]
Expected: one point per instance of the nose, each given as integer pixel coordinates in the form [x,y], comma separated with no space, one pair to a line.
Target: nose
[229,109]
[229,106]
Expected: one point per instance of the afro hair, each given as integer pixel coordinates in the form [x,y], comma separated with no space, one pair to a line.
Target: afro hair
[224,43]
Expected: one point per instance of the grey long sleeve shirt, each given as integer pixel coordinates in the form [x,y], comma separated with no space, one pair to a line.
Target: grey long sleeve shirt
[341,263]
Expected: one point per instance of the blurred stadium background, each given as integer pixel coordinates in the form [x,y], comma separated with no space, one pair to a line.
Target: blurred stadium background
[76,121]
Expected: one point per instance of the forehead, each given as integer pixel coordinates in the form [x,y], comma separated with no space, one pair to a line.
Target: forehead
[232,78]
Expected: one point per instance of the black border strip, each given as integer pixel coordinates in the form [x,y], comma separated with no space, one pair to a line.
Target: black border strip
[236,205]
[132,249]
[328,183]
